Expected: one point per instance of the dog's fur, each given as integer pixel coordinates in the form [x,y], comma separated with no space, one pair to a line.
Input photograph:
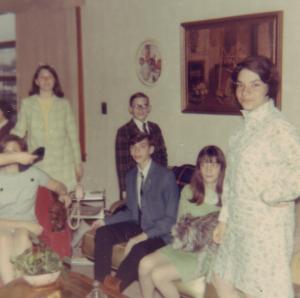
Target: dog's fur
[58,216]
[196,234]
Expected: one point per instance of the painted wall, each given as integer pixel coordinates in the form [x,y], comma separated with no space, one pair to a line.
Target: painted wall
[112,32]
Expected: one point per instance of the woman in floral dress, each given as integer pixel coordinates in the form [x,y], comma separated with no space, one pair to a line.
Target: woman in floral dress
[256,226]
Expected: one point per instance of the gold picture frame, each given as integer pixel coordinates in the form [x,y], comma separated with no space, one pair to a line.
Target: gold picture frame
[212,48]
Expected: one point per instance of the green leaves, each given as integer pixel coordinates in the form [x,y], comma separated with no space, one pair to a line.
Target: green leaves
[37,260]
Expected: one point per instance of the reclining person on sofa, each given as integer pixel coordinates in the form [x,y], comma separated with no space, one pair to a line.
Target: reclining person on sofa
[17,203]
[151,209]
[202,196]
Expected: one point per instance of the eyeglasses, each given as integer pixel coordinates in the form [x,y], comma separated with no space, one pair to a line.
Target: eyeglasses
[207,163]
[140,107]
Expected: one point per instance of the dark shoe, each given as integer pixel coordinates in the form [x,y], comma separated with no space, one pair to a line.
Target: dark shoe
[111,286]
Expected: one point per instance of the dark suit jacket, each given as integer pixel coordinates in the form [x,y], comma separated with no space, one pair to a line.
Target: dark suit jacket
[124,161]
[158,205]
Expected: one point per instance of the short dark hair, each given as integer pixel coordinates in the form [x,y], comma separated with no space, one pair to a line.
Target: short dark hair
[13,138]
[140,136]
[137,95]
[7,109]
[262,66]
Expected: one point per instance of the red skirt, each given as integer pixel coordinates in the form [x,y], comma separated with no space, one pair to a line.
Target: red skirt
[60,242]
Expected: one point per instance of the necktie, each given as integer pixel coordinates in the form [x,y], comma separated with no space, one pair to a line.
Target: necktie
[141,194]
[145,127]
[141,184]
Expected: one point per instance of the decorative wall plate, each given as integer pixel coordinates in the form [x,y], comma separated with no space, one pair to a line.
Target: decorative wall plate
[148,62]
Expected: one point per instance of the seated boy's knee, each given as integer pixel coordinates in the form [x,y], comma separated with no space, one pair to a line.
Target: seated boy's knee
[139,250]
[104,237]
[101,233]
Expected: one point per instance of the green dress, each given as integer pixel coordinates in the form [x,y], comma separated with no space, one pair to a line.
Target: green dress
[186,262]
[60,138]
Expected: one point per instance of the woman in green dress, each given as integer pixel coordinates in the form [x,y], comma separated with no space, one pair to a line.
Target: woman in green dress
[46,119]
[202,196]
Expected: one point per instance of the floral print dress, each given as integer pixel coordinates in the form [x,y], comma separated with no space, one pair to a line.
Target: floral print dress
[263,171]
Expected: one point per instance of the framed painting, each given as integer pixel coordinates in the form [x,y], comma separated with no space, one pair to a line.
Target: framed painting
[210,51]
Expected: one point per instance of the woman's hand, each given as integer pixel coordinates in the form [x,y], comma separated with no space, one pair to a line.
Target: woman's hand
[134,241]
[66,199]
[79,172]
[218,232]
[24,158]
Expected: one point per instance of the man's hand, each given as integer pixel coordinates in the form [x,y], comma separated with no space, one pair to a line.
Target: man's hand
[218,232]
[133,241]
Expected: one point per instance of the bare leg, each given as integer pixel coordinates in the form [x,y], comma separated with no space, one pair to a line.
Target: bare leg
[21,241]
[164,277]
[146,266]
[6,247]
[225,289]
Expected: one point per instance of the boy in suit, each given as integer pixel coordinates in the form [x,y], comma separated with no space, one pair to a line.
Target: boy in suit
[152,201]
[139,108]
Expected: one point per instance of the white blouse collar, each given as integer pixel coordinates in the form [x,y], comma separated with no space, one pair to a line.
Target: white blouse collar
[259,113]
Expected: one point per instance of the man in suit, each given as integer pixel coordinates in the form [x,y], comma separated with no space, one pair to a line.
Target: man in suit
[139,108]
[152,201]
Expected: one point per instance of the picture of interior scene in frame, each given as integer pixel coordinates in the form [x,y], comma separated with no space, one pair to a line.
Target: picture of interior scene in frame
[212,49]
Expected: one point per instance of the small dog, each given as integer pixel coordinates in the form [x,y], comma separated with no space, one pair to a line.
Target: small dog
[58,216]
[195,234]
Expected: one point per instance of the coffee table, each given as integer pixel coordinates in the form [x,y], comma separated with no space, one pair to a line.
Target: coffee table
[69,285]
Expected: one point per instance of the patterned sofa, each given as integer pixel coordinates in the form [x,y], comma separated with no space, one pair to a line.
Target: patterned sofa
[194,288]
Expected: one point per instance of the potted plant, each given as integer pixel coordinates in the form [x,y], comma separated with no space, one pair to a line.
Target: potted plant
[39,265]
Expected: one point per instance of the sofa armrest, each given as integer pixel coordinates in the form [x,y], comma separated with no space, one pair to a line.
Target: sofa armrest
[116,206]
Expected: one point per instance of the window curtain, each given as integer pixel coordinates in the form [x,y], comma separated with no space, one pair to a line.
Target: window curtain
[47,32]
[47,36]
